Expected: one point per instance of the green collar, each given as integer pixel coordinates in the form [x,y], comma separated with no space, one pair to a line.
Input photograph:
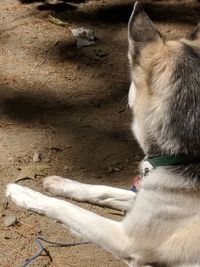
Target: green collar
[159,161]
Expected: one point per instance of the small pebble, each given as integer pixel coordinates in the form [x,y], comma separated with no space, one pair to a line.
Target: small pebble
[113,169]
[117,169]
[36,157]
[10,220]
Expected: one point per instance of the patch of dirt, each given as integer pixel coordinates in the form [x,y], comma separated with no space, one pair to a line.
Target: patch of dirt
[70,106]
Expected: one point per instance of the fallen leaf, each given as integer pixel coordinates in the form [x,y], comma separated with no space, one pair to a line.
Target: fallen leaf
[31,171]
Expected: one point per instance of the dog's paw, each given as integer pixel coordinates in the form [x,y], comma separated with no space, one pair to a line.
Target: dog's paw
[58,185]
[52,181]
[26,198]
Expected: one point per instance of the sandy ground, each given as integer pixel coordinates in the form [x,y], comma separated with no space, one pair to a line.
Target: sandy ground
[70,106]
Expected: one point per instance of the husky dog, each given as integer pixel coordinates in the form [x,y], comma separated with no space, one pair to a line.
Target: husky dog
[162,225]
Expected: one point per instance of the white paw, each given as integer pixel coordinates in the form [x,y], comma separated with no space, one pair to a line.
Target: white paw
[26,198]
[57,185]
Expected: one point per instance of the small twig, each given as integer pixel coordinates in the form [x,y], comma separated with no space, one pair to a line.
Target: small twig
[57,21]
[23,179]
[118,213]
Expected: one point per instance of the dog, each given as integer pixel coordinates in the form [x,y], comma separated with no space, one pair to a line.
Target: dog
[162,223]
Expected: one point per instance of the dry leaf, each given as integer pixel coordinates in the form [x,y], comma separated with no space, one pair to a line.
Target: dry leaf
[31,171]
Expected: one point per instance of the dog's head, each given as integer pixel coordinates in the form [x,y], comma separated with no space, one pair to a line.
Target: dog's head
[165,89]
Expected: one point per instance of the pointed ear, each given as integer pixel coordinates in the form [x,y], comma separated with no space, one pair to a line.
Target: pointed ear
[195,34]
[141,30]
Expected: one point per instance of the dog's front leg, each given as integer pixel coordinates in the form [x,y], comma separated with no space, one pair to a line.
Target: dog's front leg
[97,194]
[104,232]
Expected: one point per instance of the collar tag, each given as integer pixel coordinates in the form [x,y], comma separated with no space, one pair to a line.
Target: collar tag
[145,167]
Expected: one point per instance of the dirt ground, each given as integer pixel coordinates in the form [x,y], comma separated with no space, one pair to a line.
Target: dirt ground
[70,106]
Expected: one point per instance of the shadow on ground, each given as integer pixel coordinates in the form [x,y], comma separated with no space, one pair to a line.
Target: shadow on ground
[164,11]
[93,126]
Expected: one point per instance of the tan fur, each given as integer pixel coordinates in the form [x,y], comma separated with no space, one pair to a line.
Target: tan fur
[151,77]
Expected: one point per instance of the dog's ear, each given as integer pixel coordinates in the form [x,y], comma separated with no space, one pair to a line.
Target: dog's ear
[194,35]
[141,30]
